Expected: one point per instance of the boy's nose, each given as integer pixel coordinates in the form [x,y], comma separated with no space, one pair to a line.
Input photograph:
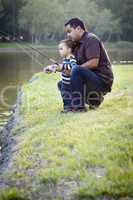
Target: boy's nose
[69,36]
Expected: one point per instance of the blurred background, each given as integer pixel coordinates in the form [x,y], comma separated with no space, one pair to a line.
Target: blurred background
[42,20]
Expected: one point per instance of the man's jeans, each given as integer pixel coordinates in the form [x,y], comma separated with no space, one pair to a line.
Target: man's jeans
[86,87]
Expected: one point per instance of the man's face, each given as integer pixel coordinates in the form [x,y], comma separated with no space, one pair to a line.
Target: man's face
[73,33]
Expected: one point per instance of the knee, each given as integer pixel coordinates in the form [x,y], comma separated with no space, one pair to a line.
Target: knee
[80,71]
[76,71]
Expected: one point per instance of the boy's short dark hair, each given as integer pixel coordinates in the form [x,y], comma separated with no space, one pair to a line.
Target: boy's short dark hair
[69,43]
[75,22]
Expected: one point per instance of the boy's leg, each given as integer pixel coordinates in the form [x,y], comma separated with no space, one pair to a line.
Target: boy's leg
[65,90]
[59,85]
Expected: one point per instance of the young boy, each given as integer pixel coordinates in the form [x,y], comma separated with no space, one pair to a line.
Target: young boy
[65,48]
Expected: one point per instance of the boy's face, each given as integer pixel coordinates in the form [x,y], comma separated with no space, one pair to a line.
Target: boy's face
[64,51]
[73,33]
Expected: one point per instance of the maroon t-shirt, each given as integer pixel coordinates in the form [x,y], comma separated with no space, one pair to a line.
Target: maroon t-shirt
[90,47]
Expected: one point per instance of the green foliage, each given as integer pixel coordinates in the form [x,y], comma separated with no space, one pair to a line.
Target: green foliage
[34,11]
[11,194]
[9,15]
[123,12]
[106,23]
[44,20]
[40,17]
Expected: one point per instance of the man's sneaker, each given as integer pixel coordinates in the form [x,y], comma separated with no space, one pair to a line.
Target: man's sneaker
[93,107]
[97,104]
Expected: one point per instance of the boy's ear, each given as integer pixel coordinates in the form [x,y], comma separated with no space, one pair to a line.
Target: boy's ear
[70,50]
[78,28]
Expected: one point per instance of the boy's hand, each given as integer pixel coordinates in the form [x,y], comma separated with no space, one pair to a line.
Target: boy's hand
[67,72]
[50,69]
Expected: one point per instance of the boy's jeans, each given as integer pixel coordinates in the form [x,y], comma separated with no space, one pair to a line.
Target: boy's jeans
[66,94]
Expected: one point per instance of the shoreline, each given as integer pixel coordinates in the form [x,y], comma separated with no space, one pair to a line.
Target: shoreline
[24,51]
[7,139]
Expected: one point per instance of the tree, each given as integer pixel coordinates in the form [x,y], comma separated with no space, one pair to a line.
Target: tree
[122,10]
[42,18]
[46,19]
[9,15]
[106,25]
[86,10]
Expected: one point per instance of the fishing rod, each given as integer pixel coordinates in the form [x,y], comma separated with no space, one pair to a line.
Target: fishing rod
[23,49]
[31,47]
[50,59]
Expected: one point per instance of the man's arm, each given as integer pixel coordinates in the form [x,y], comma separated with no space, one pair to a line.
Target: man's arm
[91,64]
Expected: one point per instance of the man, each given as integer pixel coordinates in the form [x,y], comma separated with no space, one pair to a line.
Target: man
[93,77]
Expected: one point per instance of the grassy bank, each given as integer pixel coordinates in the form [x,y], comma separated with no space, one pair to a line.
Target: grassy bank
[72,156]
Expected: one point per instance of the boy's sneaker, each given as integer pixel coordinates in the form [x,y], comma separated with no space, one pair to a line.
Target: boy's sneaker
[66,110]
[79,110]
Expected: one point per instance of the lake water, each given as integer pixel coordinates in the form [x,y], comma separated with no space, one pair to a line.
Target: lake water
[18,68]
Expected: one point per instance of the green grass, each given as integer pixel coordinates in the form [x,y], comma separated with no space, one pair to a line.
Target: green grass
[7,45]
[11,194]
[93,150]
[13,45]
[119,45]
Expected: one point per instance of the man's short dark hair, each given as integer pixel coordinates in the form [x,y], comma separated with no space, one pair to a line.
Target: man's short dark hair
[75,22]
